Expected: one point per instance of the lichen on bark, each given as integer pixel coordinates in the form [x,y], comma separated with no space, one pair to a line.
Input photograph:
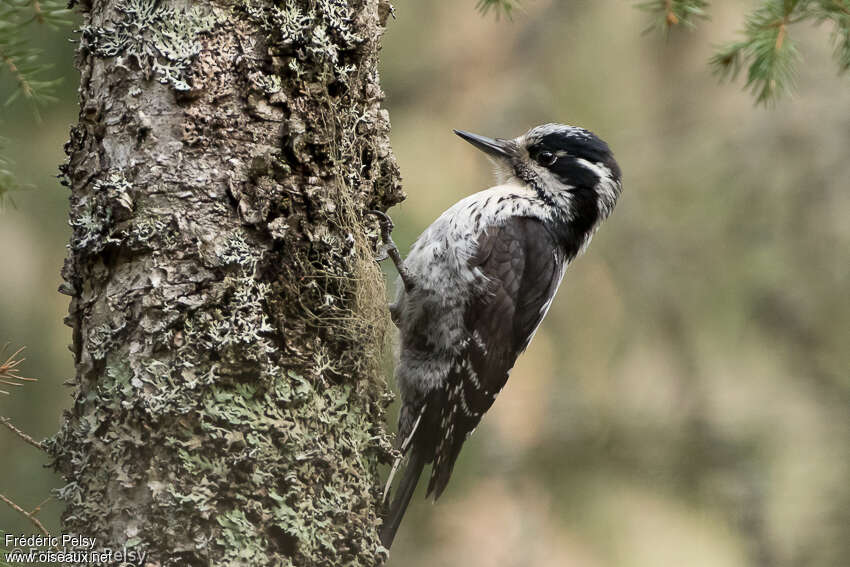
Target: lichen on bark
[228,318]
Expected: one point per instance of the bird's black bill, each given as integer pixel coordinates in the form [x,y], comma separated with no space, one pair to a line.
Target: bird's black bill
[493,146]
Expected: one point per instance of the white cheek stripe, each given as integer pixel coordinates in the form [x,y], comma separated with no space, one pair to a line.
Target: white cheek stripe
[607,188]
[600,170]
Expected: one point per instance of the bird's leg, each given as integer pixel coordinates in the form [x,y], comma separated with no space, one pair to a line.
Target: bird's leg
[389,249]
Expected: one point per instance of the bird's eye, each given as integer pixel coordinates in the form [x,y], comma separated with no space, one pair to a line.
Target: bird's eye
[546,158]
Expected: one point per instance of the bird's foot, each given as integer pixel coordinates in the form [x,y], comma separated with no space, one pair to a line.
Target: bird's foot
[389,250]
[382,253]
[386,224]
[385,221]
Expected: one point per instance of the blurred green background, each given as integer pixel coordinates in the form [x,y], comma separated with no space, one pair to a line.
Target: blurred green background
[687,399]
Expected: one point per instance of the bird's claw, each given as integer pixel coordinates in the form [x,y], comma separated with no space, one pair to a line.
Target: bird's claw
[382,254]
[389,249]
[384,220]
[387,226]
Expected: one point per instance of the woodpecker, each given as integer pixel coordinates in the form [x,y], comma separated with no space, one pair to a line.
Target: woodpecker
[478,282]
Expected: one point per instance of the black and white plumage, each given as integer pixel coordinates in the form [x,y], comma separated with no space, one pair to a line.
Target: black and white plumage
[478,282]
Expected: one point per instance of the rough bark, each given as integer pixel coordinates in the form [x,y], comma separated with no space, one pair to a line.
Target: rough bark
[227,316]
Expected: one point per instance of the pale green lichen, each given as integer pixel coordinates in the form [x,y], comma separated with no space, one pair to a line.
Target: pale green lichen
[237,329]
[102,338]
[91,225]
[319,38]
[149,230]
[270,84]
[234,249]
[93,217]
[155,34]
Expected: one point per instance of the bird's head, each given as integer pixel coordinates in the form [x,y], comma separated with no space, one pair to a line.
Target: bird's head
[555,159]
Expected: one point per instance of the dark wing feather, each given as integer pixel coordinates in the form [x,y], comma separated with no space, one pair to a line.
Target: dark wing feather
[522,264]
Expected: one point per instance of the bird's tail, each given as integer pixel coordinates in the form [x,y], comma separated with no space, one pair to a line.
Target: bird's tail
[403,494]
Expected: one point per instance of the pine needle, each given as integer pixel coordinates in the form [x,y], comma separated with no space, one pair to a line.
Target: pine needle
[9,372]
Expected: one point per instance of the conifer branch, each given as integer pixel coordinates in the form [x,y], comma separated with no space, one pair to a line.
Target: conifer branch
[9,370]
[670,13]
[499,7]
[29,516]
[766,49]
[18,58]
[837,13]
[7,178]
[22,63]
[37,509]
[26,438]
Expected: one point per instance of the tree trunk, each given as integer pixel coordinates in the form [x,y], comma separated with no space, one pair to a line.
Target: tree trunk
[227,314]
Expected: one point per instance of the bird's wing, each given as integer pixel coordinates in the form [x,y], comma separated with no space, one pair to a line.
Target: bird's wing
[522,266]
